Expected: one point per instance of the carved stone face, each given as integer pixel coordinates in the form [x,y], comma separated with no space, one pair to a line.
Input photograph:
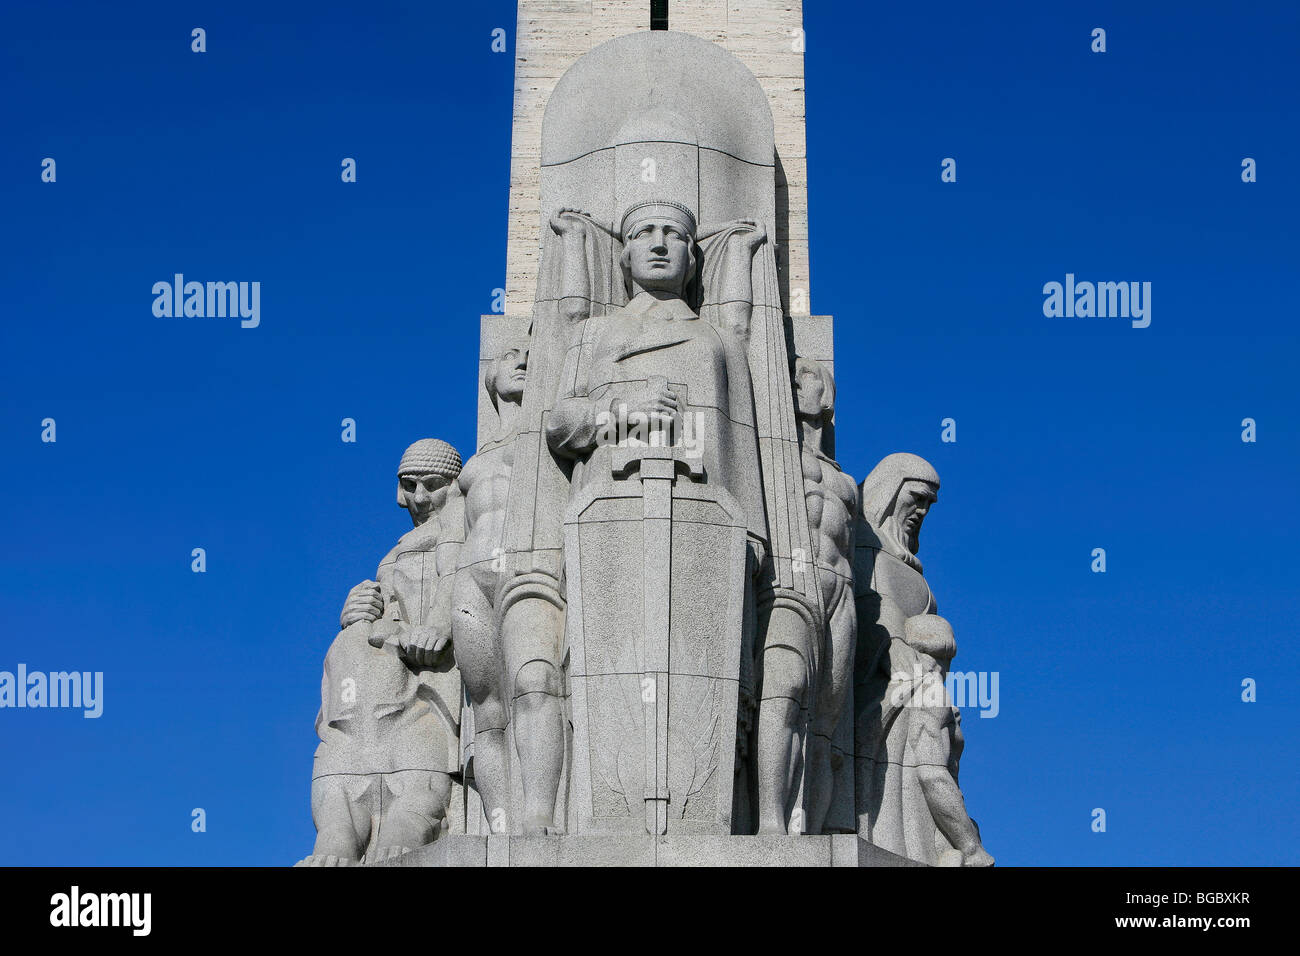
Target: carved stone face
[913,504]
[659,254]
[811,400]
[511,370]
[422,495]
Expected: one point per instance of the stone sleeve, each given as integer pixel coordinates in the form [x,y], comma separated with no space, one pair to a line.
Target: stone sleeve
[573,425]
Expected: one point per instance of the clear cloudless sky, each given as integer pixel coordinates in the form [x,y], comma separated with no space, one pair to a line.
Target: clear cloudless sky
[1120,691]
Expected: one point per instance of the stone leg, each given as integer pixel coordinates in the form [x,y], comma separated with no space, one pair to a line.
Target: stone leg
[530,631]
[836,675]
[931,737]
[781,713]
[340,809]
[478,656]
[414,805]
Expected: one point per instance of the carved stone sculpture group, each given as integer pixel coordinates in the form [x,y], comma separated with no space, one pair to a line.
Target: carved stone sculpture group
[652,601]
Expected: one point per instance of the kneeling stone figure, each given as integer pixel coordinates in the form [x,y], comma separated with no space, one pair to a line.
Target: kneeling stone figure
[390,695]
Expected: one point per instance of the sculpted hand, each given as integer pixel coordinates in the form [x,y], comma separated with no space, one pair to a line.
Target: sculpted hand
[386,631]
[423,647]
[757,235]
[656,406]
[364,603]
[569,219]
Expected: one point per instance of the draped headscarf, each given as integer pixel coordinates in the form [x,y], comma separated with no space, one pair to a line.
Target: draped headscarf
[880,497]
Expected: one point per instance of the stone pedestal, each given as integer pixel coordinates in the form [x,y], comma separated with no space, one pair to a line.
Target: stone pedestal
[844,849]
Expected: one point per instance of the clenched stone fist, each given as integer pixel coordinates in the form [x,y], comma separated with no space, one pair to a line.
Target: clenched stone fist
[364,603]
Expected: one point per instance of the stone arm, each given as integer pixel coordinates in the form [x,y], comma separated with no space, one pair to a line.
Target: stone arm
[446,561]
[576,424]
[735,289]
[575,293]
[572,427]
[740,387]
[365,602]
[419,643]
[892,653]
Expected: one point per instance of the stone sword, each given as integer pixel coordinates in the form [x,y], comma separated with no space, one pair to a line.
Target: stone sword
[657,465]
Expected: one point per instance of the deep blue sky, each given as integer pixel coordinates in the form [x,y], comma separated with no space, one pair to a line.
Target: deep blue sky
[1118,690]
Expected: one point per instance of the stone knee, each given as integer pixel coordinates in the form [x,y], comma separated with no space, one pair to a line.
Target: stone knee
[785,674]
[415,813]
[490,716]
[474,636]
[338,821]
[537,677]
[428,805]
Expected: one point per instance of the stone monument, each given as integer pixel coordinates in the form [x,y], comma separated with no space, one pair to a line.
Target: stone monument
[652,620]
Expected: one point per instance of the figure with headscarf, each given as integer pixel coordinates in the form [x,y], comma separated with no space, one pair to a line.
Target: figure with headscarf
[908,738]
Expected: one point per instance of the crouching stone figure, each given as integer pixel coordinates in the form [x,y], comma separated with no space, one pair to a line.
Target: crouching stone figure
[390,695]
